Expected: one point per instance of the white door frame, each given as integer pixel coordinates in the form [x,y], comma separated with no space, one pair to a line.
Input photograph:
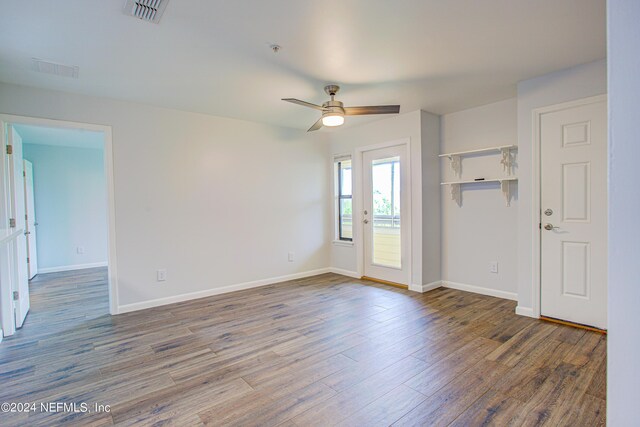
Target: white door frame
[358,229]
[536,272]
[108,168]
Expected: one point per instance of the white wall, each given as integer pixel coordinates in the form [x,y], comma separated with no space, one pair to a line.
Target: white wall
[623,370]
[483,229]
[215,201]
[71,205]
[561,86]
[431,207]
[422,129]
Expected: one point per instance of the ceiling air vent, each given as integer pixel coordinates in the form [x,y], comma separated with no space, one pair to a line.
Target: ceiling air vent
[147,10]
[48,67]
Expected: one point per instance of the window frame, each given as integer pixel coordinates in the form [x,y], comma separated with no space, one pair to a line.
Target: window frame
[338,161]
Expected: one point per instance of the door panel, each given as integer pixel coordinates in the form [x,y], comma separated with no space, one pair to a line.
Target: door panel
[16,168]
[30,207]
[574,217]
[384,208]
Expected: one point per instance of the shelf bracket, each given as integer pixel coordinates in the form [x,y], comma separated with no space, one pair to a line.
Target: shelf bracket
[507,160]
[456,195]
[506,191]
[456,165]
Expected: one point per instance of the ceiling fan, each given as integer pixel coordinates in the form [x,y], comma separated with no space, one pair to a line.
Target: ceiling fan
[333,111]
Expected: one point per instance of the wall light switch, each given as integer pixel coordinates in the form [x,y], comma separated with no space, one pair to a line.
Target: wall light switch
[80,250]
[161,275]
[493,267]
[291,256]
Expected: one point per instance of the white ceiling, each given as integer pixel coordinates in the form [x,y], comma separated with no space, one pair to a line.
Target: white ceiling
[60,137]
[214,57]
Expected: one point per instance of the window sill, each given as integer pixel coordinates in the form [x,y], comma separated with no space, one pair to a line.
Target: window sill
[343,243]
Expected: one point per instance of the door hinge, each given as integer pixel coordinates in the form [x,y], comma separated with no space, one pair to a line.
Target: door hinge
[540,226]
[12,222]
[9,149]
[24,173]
[27,260]
[16,295]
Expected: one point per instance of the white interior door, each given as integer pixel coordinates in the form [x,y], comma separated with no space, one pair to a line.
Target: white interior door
[30,208]
[18,212]
[7,319]
[385,209]
[574,214]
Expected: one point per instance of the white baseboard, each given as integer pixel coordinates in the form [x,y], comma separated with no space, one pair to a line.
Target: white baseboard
[525,311]
[480,290]
[126,308]
[347,273]
[71,267]
[425,287]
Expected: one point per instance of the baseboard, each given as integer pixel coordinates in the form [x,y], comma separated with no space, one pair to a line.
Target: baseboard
[525,311]
[126,308]
[480,290]
[425,287]
[71,267]
[347,273]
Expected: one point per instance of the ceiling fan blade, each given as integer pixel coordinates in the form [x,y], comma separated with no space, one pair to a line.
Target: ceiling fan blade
[380,109]
[317,125]
[304,103]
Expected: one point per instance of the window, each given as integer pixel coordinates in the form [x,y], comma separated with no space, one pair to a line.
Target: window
[344,202]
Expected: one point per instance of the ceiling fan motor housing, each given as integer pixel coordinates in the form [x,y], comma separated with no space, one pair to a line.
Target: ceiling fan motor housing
[331,89]
[333,107]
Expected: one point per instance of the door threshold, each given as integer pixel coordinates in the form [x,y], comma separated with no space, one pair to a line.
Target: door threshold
[385,282]
[574,325]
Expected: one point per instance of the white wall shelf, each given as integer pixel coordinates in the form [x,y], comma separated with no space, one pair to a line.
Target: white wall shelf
[507,161]
[481,150]
[505,185]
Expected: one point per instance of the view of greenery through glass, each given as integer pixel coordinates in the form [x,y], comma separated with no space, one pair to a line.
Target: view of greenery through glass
[386,193]
[385,176]
[345,208]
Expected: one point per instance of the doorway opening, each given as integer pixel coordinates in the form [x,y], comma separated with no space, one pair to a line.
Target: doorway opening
[59,196]
[571,240]
[385,215]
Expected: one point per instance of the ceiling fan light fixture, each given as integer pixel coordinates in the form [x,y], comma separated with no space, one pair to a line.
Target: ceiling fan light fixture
[333,111]
[332,119]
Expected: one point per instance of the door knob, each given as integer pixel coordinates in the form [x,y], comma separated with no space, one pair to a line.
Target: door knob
[549,227]
[366,221]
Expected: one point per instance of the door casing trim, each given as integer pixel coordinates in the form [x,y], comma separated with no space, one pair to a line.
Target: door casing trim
[536,184]
[358,230]
[108,170]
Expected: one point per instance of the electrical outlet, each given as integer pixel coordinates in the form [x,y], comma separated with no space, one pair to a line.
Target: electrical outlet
[80,250]
[161,275]
[493,267]
[291,256]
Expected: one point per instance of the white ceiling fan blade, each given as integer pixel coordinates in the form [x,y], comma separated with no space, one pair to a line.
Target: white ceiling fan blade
[317,125]
[379,109]
[304,103]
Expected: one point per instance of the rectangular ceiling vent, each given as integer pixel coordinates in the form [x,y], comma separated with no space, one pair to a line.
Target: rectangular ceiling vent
[48,67]
[147,10]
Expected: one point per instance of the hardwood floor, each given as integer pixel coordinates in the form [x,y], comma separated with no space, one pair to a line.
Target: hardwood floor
[322,351]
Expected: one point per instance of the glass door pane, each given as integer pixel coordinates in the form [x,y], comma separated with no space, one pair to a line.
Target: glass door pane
[386,242]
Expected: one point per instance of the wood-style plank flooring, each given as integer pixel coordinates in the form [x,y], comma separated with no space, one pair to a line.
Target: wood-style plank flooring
[323,351]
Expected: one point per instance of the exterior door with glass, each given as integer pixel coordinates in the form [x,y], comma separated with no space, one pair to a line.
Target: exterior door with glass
[385,206]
